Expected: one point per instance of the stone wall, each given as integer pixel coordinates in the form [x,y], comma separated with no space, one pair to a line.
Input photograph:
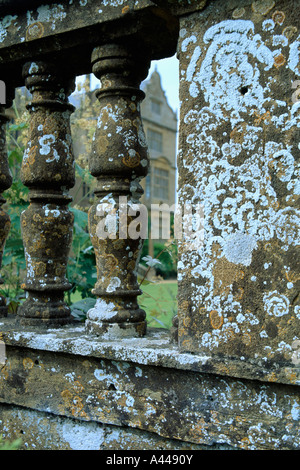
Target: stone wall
[232,379]
[239,160]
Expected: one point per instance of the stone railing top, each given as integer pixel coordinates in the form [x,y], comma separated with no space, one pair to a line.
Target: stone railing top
[35,29]
[155,349]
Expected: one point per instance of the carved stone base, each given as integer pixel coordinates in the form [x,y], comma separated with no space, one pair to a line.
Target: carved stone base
[116,330]
[40,310]
[113,318]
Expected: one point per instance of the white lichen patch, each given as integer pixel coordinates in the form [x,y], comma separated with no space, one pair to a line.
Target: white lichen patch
[5,23]
[103,310]
[47,14]
[114,283]
[236,162]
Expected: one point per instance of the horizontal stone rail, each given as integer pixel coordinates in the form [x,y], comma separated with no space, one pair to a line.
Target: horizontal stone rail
[228,376]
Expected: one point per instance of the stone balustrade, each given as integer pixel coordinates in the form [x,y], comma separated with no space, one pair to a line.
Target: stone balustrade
[230,378]
[48,170]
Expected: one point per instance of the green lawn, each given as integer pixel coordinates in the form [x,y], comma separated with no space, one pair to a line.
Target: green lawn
[160,303]
[158,300]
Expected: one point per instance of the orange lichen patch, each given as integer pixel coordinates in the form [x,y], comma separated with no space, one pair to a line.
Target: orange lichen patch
[262,117]
[240,294]
[262,6]
[237,134]
[292,276]
[202,310]
[289,31]
[131,161]
[32,154]
[200,428]
[240,420]
[28,363]
[132,106]
[40,269]
[238,13]
[271,377]
[279,60]
[34,31]
[216,320]
[186,321]
[110,262]
[278,17]
[246,339]
[74,404]
[245,442]
[125,9]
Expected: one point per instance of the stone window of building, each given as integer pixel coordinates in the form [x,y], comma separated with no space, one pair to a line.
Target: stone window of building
[155,107]
[155,140]
[161,183]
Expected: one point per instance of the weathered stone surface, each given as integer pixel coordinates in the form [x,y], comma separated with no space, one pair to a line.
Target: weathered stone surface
[189,406]
[119,160]
[43,431]
[239,159]
[182,7]
[48,170]
[234,380]
[155,349]
[76,28]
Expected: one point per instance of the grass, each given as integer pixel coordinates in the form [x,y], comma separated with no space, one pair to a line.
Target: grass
[160,303]
[158,300]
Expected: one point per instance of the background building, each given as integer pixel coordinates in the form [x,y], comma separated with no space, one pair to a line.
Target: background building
[160,125]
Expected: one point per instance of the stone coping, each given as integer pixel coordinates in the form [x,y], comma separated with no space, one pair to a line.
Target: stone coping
[155,349]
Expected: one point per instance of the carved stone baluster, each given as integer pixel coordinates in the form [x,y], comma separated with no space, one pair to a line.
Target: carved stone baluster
[5,183]
[119,160]
[48,171]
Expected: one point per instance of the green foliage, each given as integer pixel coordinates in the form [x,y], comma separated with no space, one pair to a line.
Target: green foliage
[167,254]
[81,270]
[159,300]
[6,445]
[13,264]
[79,309]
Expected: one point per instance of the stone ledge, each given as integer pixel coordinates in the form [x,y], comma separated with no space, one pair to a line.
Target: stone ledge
[60,433]
[172,403]
[155,349]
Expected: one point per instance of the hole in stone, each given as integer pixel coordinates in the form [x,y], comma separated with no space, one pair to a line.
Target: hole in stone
[244,90]
[112,387]
[36,362]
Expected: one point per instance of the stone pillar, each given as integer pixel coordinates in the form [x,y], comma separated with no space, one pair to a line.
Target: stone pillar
[5,183]
[119,160]
[48,171]
[239,160]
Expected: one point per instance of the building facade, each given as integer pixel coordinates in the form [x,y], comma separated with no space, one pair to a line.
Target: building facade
[160,125]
